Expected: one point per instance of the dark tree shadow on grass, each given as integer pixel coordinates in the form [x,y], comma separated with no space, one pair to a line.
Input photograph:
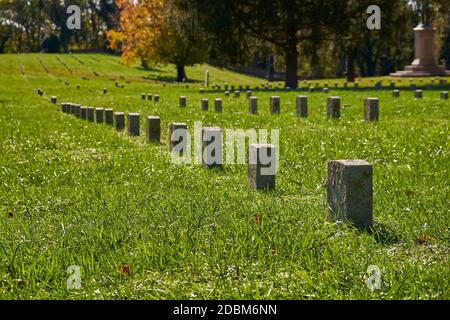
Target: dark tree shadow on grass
[168,79]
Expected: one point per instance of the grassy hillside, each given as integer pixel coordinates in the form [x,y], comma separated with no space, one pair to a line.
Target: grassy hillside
[78,193]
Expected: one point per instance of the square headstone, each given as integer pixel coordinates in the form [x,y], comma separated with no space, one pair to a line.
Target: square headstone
[119,120]
[262,166]
[350,192]
[153,129]
[134,124]
[100,115]
[302,106]
[212,147]
[371,109]
[275,105]
[109,116]
[253,105]
[334,108]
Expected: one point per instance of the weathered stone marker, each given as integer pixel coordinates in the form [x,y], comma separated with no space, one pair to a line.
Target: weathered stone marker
[64,107]
[350,192]
[90,114]
[248,94]
[302,106]
[83,112]
[105,91]
[396,93]
[77,110]
[204,104]
[334,108]
[325,90]
[149,96]
[100,115]
[119,120]
[178,136]
[70,108]
[182,102]
[54,99]
[156,98]
[134,126]
[444,95]
[153,129]
[418,94]
[109,116]
[253,105]
[73,109]
[274,105]
[212,155]
[261,166]
[227,93]
[143,96]
[218,105]
[237,94]
[371,109]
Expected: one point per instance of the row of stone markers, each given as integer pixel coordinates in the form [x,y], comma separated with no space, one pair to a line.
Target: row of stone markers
[371,108]
[349,190]
[311,86]
[418,94]
[150,97]
[371,105]
[116,119]
[349,187]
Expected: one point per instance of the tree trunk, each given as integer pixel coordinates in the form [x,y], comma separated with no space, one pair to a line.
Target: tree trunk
[3,43]
[181,74]
[350,66]
[64,40]
[291,68]
[316,70]
[291,45]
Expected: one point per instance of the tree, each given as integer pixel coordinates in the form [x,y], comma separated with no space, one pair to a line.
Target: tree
[364,47]
[283,24]
[155,30]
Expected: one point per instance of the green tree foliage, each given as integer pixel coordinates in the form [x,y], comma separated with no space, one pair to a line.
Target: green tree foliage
[309,38]
[25,24]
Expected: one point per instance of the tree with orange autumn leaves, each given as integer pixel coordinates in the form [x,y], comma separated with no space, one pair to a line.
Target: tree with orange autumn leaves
[156,31]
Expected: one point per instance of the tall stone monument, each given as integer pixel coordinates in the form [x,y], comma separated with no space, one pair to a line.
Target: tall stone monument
[424,63]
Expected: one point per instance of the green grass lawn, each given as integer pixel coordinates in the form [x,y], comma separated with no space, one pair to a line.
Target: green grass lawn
[78,193]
